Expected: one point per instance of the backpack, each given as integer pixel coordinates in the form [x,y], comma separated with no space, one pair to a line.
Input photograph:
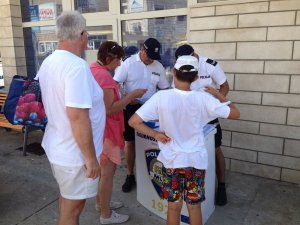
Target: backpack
[23,105]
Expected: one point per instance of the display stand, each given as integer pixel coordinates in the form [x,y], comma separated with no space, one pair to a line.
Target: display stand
[149,176]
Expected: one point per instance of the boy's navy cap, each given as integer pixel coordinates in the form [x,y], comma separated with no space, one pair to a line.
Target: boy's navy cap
[187,60]
[131,50]
[152,47]
[184,50]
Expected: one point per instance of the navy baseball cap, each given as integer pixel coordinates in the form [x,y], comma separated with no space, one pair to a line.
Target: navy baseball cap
[131,50]
[184,50]
[152,47]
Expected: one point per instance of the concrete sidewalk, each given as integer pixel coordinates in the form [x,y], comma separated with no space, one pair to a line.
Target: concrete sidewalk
[28,194]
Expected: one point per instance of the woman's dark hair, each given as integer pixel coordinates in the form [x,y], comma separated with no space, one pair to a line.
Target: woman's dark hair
[185,74]
[111,50]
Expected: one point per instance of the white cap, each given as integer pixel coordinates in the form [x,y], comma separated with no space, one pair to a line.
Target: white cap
[187,60]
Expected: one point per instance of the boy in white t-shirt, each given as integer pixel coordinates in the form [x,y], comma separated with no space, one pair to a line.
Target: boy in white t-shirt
[182,114]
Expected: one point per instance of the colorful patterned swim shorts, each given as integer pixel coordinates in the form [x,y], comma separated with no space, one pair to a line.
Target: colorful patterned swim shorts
[183,183]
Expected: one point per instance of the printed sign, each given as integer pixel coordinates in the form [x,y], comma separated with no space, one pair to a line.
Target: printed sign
[150,178]
[34,12]
[47,11]
[154,169]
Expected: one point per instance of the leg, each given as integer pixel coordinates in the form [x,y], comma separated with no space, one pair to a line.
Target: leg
[221,196]
[195,213]
[174,210]
[220,165]
[105,188]
[195,194]
[129,136]
[130,156]
[108,216]
[69,211]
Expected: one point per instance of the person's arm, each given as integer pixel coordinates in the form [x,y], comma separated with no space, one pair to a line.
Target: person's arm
[82,131]
[219,77]
[112,106]
[138,124]
[234,112]
[163,83]
[224,88]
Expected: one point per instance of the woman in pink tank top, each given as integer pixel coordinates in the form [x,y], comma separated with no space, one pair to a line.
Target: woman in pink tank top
[108,59]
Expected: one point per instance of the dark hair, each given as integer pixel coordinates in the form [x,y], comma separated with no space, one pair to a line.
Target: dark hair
[110,49]
[184,50]
[184,74]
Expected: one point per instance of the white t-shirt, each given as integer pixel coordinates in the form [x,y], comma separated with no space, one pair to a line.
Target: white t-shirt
[210,73]
[182,116]
[135,74]
[66,81]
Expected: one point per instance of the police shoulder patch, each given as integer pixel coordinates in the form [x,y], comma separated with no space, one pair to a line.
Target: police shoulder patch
[212,62]
[126,57]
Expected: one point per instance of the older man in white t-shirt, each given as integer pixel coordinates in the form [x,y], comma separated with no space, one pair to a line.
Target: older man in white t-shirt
[75,109]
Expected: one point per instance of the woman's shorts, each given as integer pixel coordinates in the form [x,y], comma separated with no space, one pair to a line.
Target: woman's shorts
[110,152]
[73,182]
[183,184]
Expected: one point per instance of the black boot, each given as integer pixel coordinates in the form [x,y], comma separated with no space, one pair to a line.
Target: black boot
[221,196]
[129,183]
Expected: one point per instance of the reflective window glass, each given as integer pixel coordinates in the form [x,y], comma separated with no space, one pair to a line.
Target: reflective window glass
[36,10]
[88,6]
[96,36]
[39,43]
[132,6]
[169,31]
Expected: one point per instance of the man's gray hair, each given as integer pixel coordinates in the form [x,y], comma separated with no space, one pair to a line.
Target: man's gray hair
[69,25]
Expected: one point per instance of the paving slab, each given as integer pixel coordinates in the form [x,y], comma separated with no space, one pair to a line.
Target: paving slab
[29,194]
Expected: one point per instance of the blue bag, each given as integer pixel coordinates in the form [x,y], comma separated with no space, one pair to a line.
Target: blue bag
[23,105]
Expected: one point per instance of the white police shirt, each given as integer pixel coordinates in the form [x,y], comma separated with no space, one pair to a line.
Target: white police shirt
[210,73]
[133,73]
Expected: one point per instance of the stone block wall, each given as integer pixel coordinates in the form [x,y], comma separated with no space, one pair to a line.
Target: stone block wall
[11,40]
[257,43]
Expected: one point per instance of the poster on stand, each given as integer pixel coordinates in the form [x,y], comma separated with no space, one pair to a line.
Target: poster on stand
[149,177]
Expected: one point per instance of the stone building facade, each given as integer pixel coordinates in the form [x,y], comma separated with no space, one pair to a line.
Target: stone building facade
[257,42]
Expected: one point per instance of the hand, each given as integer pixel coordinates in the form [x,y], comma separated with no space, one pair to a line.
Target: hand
[92,168]
[162,137]
[211,90]
[137,93]
[215,93]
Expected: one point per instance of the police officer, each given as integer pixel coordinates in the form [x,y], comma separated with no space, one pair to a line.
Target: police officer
[210,73]
[141,70]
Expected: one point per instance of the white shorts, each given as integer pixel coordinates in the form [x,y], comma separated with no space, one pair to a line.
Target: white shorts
[73,183]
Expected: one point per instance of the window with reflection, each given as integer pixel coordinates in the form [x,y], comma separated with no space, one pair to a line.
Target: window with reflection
[36,10]
[39,43]
[96,35]
[169,31]
[132,6]
[89,6]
